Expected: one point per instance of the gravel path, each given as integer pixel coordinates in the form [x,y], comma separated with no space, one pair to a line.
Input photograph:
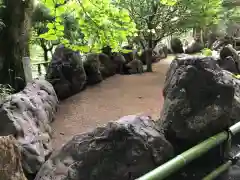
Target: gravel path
[115,97]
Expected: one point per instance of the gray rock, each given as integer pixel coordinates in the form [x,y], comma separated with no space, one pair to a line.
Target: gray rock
[198,99]
[176,46]
[66,72]
[147,53]
[228,64]
[195,47]
[92,69]
[108,66]
[10,159]
[135,67]
[27,116]
[201,100]
[161,51]
[119,61]
[227,51]
[125,149]
[221,42]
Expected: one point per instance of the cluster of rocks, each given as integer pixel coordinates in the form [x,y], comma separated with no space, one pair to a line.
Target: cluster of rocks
[194,47]
[69,72]
[200,100]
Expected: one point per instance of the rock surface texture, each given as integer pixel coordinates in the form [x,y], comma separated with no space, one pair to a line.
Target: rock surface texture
[176,46]
[66,72]
[161,51]
[27,116]
[119,61]
[221,42]
[195,47]
[108,67]
[92,69]
[10,159]
[229,51]
[147,54]
[200,100]
[135,67]
[122,150]
[229,64]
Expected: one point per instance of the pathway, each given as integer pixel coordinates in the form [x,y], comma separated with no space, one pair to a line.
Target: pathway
[115,97]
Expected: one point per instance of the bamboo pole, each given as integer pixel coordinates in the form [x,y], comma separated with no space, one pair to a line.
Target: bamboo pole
[221,169]
[186,157]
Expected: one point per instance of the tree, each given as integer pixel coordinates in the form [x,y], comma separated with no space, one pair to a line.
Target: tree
[41,17]
[203,14]
[156,19]
[101,24]
[15,15]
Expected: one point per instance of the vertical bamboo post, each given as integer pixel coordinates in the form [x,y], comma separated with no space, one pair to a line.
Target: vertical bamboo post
[39,69]
[27,69]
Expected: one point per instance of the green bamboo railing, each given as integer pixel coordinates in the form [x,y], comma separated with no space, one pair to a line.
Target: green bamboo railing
[221,169]
[195,152]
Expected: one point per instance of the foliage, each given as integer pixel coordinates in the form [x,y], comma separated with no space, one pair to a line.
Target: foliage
[152,17]
[156,19]
[5,90]
[203,12]
[234,15]
[100,22]
[207,52]
[41,17]
[237,76]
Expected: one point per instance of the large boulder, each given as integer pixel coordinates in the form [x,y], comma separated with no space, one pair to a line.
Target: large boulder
[125,149]
[195,47]
[221,42]
[200,100]
[227,51]
[161,51]
[92,69]
[10,159]
[176,46]
[27,115]
[147,53]
[119,61]
[229,64]
[211,38]
[197,100]
[108,66]
[135,67]
[66,72]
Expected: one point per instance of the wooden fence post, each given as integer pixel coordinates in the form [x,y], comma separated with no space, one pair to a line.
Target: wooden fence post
[27,69]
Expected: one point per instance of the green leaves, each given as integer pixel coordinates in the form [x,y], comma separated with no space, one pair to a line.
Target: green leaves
[50,25]
[207,52]
[169,2]
[101,24]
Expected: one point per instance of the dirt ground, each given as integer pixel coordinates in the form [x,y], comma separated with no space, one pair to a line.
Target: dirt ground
[115,97]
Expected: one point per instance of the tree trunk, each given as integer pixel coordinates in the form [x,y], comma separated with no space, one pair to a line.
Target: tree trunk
[149,57]
[142,44]
[45,51]
[14,41]
[198,33]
